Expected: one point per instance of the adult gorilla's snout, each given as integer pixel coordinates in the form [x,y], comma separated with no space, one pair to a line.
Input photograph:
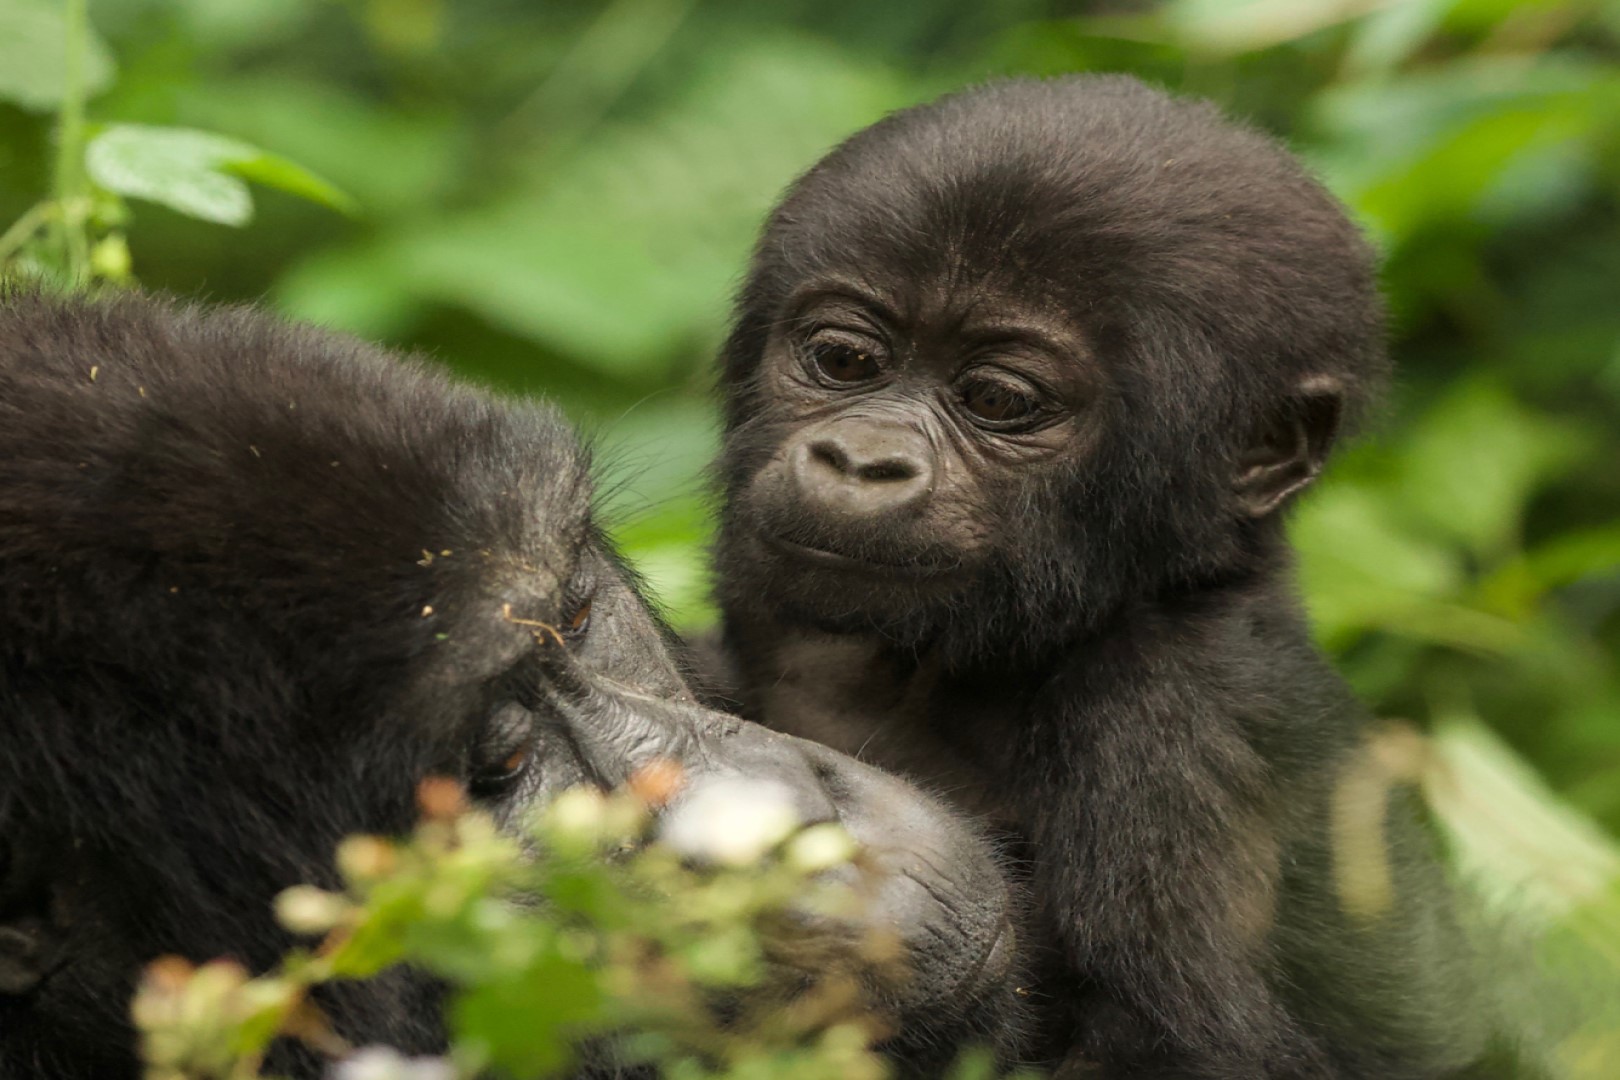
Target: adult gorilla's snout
[930,879]
[619,730]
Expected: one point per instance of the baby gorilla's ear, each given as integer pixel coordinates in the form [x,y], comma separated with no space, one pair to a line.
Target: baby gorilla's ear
[1288,450]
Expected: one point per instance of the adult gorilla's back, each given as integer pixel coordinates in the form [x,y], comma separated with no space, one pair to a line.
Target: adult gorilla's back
[256,582]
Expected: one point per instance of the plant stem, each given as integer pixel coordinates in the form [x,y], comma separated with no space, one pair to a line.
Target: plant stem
[24,227]
[69,180]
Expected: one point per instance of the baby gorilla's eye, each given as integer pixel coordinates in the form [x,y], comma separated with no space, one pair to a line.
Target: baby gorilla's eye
[999,401]
[843,359]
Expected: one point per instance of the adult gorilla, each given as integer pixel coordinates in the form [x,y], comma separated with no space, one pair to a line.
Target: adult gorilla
[256,582]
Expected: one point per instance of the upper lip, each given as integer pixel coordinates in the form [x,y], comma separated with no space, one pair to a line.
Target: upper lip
[918,568]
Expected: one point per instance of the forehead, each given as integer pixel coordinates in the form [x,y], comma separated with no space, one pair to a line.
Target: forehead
[972,237]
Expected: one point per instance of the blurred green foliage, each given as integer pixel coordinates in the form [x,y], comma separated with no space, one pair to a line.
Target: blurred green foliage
[559,197]
[674,946]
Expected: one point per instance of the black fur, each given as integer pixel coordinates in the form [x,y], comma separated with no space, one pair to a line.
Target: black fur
[256,581]
[1083,624]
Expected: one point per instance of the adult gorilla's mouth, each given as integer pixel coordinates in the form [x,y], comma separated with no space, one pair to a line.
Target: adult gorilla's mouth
[914,569]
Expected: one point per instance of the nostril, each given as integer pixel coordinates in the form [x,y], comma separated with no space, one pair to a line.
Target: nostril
[829,453]
[894,468]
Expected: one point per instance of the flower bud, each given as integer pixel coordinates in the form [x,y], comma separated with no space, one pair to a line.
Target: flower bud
[304,909]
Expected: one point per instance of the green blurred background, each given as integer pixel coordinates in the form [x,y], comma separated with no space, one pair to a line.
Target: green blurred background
[558,198]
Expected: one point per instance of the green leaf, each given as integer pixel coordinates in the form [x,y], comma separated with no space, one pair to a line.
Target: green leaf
[1246,25]
[1458,173]
[33,50]
[1474,461]
[391,161]
[1392,124]
[1359,567]
[624,254]
[1517,837]
[283,175]
[1389,36]
[524,1025]
[197,173]
[1518,585]
[179,168]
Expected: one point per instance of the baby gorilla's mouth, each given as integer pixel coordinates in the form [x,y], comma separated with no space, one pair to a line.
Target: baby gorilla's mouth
[916,568]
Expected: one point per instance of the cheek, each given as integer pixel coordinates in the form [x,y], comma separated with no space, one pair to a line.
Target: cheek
[967,504]
[753,444]
[556,767]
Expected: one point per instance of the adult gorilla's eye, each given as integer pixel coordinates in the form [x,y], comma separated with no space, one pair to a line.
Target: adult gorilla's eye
[844,360]
[579,622]
[493,780]
[507,752]
[999,401]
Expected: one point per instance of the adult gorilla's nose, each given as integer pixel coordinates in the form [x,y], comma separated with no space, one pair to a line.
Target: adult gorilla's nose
[863,468]
[617,730]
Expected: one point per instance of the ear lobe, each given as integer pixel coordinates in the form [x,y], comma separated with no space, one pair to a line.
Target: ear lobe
[1289,450]
[25,954]
[28,944]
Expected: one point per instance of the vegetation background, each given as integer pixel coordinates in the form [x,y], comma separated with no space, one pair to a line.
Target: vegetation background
[558,198]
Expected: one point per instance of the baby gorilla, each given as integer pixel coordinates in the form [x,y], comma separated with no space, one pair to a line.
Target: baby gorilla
[256,582]
[1019,385]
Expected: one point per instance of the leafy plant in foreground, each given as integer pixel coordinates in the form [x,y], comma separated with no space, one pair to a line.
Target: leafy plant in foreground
[585,929]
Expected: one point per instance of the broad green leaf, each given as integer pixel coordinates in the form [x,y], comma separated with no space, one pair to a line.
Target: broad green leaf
[1517,837]
[33,52]
[626,254]
[197,173]
[1453,177]
[238,24]
[1245,25]
[523,1026]
[1395,121]
[391,161]
[1487,14]
[358,289]
[1552,881]
[1518,585]
[1473,462]
[679,580]
[1389,35]
[283,175]
[1359,568]
[181,169]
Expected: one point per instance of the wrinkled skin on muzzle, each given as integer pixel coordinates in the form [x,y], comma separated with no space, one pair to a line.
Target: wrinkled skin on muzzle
[927,877]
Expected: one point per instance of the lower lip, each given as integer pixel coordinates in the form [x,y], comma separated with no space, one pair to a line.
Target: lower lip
[834,561]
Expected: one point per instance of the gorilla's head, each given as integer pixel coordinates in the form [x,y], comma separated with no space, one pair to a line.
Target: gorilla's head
[1010,360]
[257,582]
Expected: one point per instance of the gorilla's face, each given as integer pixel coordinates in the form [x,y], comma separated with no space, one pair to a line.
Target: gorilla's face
[256,583]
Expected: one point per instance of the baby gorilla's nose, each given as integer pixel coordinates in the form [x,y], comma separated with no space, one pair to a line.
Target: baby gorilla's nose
[863,469]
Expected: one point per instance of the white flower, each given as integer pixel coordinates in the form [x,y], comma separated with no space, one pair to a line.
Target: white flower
[730,820]
[386,1063]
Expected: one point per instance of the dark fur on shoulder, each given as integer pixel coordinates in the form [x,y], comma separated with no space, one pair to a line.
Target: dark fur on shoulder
[1019,386]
